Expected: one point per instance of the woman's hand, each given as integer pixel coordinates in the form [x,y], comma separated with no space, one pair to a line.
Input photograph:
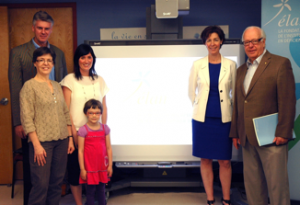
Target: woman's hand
[75,138]
[83,174]
[39,155]
[109,171]
[71,147]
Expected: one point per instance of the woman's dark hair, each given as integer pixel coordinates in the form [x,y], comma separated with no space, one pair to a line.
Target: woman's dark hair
[42,51]
[82,50]
[92,103]
[212,29]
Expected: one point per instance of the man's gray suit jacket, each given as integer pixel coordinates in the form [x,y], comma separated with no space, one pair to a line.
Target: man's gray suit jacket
[22,69]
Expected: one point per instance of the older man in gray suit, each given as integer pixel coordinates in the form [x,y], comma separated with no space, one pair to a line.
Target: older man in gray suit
[22,69]
[265,85]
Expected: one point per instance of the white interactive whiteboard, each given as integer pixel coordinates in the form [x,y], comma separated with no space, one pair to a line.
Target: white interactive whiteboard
[149,111]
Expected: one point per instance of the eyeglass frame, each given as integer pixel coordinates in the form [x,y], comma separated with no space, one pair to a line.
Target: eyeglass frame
[42,61]
[254,42]
[94,113]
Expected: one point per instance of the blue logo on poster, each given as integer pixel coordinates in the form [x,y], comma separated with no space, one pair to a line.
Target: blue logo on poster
[282,5]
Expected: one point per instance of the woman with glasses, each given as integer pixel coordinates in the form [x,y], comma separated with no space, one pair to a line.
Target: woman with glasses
[79,87]
[211,86]
[46,120]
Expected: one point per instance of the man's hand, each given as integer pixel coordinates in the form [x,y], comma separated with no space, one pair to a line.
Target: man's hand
[280,140]
[20,132]
[236,142]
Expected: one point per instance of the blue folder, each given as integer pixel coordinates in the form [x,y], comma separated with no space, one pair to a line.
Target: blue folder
[265,128]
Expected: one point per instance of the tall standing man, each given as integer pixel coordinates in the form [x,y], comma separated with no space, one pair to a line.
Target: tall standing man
[22,69]
[265,85]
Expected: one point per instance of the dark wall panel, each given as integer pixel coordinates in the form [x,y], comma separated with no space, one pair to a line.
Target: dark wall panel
[95,14]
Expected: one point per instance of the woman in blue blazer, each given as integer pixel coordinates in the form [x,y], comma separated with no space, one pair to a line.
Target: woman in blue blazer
[211,89]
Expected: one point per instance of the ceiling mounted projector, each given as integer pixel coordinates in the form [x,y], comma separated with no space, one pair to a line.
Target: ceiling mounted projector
[166,9]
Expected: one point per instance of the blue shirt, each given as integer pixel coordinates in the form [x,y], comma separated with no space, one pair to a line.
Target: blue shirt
[52,74]
[252,67]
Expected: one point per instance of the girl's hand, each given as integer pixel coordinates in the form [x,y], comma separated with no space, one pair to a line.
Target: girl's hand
[71,147]
[39,155]
[83,174]
[109,171]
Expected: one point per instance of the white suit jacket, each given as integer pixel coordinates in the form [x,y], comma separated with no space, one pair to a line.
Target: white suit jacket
[199,86]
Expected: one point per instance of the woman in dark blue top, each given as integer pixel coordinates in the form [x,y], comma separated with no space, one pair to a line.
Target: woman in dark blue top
[211,86]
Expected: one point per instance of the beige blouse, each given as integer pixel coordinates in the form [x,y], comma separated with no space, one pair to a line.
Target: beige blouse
[43,111]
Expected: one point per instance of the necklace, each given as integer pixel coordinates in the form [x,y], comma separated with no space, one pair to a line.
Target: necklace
[84,92]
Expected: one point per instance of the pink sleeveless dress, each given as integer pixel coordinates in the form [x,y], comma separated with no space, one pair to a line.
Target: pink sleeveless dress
[95,157]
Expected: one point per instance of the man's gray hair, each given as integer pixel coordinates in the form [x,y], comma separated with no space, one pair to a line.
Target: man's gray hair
[42,16]
[262,34]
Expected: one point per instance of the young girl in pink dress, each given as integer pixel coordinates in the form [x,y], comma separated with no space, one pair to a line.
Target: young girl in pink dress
[94,153]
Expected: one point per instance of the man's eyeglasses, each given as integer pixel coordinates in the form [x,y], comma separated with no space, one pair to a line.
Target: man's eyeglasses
[254,42]
[42,61]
